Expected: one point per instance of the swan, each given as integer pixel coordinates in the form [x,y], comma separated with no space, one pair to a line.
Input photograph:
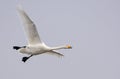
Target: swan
[35,45]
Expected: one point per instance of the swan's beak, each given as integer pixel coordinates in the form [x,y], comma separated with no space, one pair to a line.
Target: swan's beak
[69,47]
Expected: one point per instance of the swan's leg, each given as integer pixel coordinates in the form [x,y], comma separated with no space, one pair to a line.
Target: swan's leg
[24,59]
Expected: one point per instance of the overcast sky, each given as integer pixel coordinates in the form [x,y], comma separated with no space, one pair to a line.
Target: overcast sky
[92,27]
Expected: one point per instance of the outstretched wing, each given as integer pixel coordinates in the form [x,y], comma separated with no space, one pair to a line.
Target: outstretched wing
[30,28]
[55,53]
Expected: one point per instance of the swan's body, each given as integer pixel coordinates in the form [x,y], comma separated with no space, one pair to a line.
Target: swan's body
[35,45]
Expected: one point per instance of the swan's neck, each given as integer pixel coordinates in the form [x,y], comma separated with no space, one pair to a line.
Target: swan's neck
[61,47]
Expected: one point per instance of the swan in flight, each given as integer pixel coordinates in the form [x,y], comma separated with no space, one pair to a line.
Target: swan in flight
[35,45]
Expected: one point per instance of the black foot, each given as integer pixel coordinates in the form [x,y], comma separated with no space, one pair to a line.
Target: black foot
[16,47]
[24,59]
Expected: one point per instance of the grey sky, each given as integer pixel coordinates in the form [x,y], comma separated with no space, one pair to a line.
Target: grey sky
[92,27]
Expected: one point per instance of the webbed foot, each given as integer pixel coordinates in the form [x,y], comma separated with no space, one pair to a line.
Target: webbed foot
[24,59]
[16,47]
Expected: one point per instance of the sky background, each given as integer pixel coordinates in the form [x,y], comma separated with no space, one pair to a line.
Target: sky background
[92,27]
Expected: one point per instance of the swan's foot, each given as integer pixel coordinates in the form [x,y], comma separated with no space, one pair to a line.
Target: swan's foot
[24,59]
[16,47]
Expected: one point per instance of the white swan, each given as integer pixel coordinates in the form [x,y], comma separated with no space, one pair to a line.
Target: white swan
[35,45]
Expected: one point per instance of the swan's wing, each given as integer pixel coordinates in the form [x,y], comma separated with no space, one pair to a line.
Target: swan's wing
[55,53]
[30,28]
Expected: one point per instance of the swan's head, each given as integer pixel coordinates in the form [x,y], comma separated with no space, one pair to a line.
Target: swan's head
[68,47]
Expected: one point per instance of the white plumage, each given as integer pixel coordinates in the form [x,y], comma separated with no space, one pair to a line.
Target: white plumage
[35,45]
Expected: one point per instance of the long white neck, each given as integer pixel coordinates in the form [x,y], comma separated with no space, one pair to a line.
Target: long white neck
[59,47]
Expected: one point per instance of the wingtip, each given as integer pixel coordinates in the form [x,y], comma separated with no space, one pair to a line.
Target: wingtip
[19,7]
